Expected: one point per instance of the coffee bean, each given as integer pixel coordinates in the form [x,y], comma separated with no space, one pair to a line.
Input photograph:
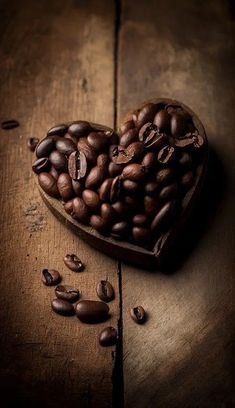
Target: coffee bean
[59,161]
[77,165]
[185,160]
[115,190]
[152,188]
[94,178]
[115,169]
[190,140]
[69,137]
[105,291]
[140,234]
[134,172]
[131,186]
[177,125]
[99,224]
[69,207]
[80,210]
[146,114]
[129,137]
[131,202]
[62,307]
[165,176]
[140,220]
[108,337]
[79,128]
[64,184]
[91,199]
[32,143]
[155,140]
[138,314]
[48,183]
[129,124]
[149,161]
[146,129]
[166,155]
[59,130]
[66,292]
[92,311]
[108,213]
[135,150]
[45,147]
[54,172]
[187,180]
[105,188]
[41,165]
[9,124]
[151,205]
[120,229]
[169,192]
[77,187]
[163,217]
[103,161]
[121,209]
[84,147]
[97,140]
[74,263]
[65,146]
[121,155]
[162,120]
[50,277]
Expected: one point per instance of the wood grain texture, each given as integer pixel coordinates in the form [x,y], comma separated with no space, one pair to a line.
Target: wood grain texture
[184,355]
[56,64]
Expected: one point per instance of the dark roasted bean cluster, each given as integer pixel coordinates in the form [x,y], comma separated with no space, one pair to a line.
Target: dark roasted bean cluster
[129,185]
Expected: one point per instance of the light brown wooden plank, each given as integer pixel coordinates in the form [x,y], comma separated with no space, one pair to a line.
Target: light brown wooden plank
[184,355]
[56,64]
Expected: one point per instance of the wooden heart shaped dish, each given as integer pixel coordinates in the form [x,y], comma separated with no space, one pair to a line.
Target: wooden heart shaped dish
[127,193]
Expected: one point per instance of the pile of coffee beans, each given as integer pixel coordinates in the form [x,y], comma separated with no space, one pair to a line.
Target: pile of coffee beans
[129,184]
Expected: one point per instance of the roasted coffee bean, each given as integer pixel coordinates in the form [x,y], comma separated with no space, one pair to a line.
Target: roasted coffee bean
[140,234]
[152,188]
[92,311]
[198,141]
[97,140]
[146,129]
[58,130]
[69,207]
[151,205]
[112,137]
[68,293]
[9,124]
[77,165]
[32,143]
[129,124]
[54,172]
[140,220]
[99,224]
[121,155]
[108,337]
[162,120]
[155,140]
[190,140]
[120,229]
[135,150]
[149,161]
[115,169]
[59,161]
[41,165]
[131,186]
[138,314]
[121,209]
[187,180]
[169,192]
[166,155]
[45,147]
[105,291]
[146,114]
[163,217]
[77,187]
[80,210]
[103,161]
[105,188]
[65,146]
[62,307]
[64,184]
[115,190]
[185,160]
[134,172]
[84,147]
[80,128]
[50,277]
[129,137]
[165,176]
[91,199]
[177,125]
[94,178]
[69,137]
[48,184]
[131,202]
[73,262]
[107,213]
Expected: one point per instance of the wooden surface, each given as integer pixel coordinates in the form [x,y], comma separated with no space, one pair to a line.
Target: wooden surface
[58,62]
[184,355]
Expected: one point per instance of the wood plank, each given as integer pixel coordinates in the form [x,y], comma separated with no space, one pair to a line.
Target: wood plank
[56,64]
[184,355]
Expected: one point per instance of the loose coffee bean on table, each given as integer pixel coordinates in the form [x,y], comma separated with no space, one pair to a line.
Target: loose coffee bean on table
[32,143]
[108,336]
[138,314]
[105,291]
[92,311]
[50,277]
[74,263]
[62,307]
[66,292]
[9,124]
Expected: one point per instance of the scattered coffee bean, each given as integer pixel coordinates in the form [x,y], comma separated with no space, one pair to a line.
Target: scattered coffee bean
[105,291]
[50,277]
[9,124]
[138,314]
[62,307]
[74,263]
[32,143]
[108,337]
[68,293]
[92,311]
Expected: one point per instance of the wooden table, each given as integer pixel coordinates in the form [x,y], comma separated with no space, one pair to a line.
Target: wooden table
[65,60]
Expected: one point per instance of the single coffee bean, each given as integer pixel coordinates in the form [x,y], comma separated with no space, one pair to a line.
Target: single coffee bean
[45,147]
[149,161]
[146,130]
[59,130]
[77,187]
[138,314]
[140,234]
[115,169]
[129,124]
[79,128]
[152,188]
[68,293]
[92,311]
[121,209]
[9,124]
[68,136]
[120,229]
[108,213]
[59,161]
[146,114]
[187,180]
[48,184]
[121,155]
[62,307]
[135,150]
[115,190]
[190,140]
[177,125]
[54,172]
[74,263]
[32,143]
[140,220]
[151,205]
[134,172]
[129,137]
[91,199]
[131,186]
[84,147]
[41,165]
[169,192]
[103,161]
[64,184]
[185,160]
[97,140]
[155,140]
[69,207]
[198,141]
[112,137]
[163,217]
[94,178]
[77,165]
[108,337]
[80,210]
[105,188]
[105,291]
[65,146]
[162,120]
[165,176]
[50,277]
[131,202]
[99,224]
[166,155]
